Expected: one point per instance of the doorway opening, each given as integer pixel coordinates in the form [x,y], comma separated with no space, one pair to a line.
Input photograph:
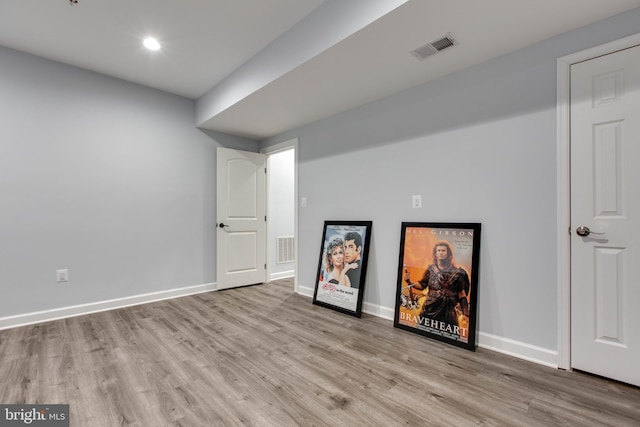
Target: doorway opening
[282,212]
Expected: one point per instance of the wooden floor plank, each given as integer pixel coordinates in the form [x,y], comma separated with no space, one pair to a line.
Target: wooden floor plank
[264,356]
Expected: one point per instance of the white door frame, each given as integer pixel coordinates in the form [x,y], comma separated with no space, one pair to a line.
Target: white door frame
[563,192]
[282,146]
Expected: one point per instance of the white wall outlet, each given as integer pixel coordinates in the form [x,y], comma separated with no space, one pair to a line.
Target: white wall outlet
[416,201]
[303,202]
[62,275]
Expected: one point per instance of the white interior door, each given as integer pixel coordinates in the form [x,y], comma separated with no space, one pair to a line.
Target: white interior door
[241,220]
[605,198]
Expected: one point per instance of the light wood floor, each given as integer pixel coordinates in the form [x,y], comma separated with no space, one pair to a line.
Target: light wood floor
[264,356]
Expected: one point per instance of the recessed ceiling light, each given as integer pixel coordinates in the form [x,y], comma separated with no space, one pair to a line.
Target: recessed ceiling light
[151,43]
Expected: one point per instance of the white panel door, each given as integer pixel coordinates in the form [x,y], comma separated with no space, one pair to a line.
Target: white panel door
[605,216]
[241,220]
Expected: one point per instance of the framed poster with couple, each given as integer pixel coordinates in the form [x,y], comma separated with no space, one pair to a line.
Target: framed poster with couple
[437,287]
[342,267]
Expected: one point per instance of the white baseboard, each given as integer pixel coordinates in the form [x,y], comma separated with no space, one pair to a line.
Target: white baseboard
[507,346]
[282,275]
[378,311]
[77,310]
[519,349]
[373,309]
[304,291]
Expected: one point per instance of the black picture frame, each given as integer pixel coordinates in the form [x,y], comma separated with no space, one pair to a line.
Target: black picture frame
[342,289]
[431,302]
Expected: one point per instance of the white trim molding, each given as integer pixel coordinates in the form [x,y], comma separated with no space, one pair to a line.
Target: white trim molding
[282,275]
[305,291]
[368,308]
[518,349]
[563,190]
[378,311]
[488,341]
[95,307]
[524,351]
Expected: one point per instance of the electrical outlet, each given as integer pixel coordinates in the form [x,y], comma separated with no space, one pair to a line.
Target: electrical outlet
[62,275]
[416,201]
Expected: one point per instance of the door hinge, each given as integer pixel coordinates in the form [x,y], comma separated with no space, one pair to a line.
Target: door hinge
[265,266]
[265,217]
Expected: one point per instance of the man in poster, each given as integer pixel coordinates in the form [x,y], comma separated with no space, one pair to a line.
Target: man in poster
[342,265]
[447,288]
[352,251]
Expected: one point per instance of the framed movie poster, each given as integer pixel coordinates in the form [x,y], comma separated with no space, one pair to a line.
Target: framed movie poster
[342,266]
[438,281]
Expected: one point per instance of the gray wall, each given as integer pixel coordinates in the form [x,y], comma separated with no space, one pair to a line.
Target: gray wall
[480,146]
[106,178]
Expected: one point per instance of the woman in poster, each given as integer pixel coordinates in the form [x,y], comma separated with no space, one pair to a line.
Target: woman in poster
[335,288]
[334,263]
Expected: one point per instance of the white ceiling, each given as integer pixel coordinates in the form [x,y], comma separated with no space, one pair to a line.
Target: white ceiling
[214,47]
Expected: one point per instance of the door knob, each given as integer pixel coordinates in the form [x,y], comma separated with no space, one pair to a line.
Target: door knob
[583,231]
[223,225]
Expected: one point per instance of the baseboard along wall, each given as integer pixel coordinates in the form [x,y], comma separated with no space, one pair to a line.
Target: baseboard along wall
[78,310]
[503,345]
[508,346]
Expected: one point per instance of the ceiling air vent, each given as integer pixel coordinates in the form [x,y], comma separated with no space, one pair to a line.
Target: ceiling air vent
[432,47]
